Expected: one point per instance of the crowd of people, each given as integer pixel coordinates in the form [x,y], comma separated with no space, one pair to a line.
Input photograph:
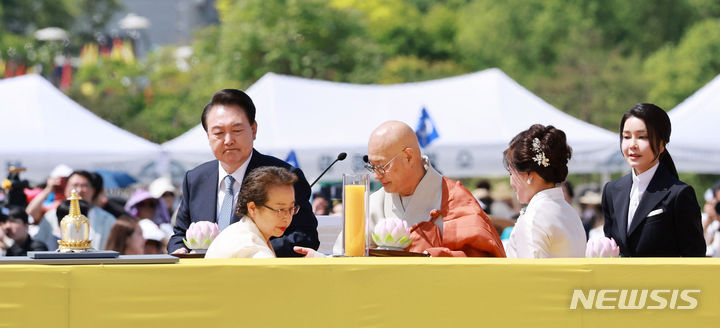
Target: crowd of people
[263,208]
[140,225]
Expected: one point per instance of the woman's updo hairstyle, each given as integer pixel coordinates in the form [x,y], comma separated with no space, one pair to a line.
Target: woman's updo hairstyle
[522,156]
[256,184]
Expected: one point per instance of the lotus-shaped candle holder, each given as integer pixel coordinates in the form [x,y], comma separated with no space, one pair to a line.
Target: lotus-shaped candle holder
[200,234]
[392,233]
[602,247]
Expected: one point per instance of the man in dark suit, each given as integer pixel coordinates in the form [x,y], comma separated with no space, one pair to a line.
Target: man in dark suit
[14,237]
[210,190]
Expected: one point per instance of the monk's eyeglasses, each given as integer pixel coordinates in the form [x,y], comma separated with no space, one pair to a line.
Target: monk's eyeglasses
[382,169]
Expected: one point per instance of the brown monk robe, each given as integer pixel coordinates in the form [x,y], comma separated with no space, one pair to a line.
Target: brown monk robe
[467,230]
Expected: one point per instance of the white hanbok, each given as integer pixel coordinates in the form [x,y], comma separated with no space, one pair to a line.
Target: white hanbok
[241,239]
[549,227]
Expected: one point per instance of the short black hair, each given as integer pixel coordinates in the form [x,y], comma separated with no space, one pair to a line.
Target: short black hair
[320,194]
[483,184]
[18,212]
[715,187]
[4,211]
[93,180]
[97,182]
[230,97]
[64,209]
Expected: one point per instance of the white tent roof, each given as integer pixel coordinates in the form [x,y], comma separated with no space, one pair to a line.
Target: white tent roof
[476,116]
[695,141]
[43,128]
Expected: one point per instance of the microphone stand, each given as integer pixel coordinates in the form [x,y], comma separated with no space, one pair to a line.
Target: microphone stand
[340,157]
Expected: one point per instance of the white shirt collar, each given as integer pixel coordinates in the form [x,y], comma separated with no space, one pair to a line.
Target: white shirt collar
[550,193]
[431,180]
[238,175]
[643,180]
[426,197]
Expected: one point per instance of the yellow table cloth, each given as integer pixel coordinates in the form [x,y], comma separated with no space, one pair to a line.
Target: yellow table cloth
[360,292]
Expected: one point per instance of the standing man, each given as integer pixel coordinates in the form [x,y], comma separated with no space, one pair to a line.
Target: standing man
[210,190]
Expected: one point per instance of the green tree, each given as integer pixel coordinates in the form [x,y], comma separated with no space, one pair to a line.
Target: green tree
[22,16]
[113,90]
[302,38]
[591,83]
[520,37]
[19,19]
[180,87]
[640,26]
[81,18]
[676,72]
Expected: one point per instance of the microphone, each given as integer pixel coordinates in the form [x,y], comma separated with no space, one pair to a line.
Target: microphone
[340,157]
[365,159]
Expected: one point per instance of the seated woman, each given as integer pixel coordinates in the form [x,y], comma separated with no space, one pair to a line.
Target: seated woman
[267,204]
[126,237]
[537,161]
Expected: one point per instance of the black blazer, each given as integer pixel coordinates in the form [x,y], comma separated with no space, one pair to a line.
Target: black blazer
[199,202]
[29,245]
[674,229]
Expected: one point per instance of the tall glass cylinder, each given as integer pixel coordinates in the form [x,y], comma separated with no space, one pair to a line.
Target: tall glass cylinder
[355,212]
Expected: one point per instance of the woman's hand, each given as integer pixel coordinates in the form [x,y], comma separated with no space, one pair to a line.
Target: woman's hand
[181,250]
[308,252]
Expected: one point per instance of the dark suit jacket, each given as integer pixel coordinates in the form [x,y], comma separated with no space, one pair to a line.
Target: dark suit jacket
[676,231]
[28,245]
[199,202]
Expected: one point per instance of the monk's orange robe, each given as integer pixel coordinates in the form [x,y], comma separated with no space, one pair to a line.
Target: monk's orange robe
[467,230]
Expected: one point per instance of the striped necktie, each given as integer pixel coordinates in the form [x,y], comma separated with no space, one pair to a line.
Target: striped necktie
[226,210]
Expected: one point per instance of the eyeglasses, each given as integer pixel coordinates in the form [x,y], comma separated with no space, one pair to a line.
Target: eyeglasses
[284,211]
[382,169]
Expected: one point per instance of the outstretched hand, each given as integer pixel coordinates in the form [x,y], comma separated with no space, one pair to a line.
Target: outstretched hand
[181,250]
[308,252]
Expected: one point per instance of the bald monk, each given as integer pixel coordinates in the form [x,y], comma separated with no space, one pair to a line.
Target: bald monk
[446,219]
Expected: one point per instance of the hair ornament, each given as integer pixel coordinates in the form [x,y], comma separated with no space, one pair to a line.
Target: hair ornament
[539,158]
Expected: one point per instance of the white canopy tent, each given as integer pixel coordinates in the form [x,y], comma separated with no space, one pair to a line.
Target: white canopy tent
[43,128]
[476,116]
[695,141]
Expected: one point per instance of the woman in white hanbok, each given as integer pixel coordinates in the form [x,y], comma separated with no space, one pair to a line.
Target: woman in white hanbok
[548,227]
[267,204]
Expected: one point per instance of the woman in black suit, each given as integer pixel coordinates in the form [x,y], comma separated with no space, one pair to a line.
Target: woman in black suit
[650,212]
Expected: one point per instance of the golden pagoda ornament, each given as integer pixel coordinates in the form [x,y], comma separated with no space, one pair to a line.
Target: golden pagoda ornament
[74,228]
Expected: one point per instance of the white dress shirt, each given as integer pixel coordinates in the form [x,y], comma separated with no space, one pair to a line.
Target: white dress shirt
[639,185]
[549,227]
[238,175]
